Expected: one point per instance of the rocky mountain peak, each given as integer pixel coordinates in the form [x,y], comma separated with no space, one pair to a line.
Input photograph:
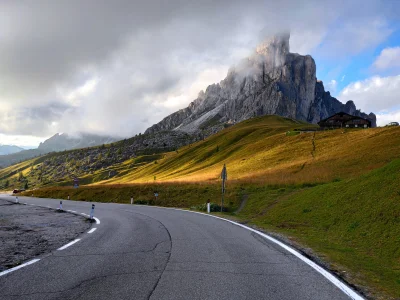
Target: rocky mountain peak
[271,81]
[275,48]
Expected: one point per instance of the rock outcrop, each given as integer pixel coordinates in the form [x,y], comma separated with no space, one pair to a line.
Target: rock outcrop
[271,81]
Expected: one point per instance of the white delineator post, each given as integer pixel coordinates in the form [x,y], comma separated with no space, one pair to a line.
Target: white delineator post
[92,212]
[68,197]
[60,205]
[208,207]
[131,200]
[16,200]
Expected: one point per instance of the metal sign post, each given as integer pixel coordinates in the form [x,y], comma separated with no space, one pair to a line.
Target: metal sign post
[76,183]
[224,177]
[156,196]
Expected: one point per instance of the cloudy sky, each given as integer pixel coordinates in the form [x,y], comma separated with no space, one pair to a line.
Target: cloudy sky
[117,67]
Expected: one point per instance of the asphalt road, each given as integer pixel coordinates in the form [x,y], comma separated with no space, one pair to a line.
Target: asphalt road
[140,252]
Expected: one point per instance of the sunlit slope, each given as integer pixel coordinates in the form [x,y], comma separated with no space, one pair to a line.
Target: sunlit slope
[12,172]
[263,149]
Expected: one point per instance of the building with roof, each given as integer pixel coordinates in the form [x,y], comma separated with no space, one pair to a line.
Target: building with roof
[344,120]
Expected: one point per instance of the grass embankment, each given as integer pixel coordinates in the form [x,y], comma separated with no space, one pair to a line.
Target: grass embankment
[182,195]
[354,224]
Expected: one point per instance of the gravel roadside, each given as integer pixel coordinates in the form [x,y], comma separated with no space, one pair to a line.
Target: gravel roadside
[28,231]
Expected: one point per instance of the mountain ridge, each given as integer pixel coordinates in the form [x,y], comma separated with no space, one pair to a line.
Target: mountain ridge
[9,149]
[58,142]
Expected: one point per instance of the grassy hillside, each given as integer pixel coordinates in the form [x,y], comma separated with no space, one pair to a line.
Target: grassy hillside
[264,150]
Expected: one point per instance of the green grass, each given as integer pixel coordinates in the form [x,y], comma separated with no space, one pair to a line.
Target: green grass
[354,223]
[184,195]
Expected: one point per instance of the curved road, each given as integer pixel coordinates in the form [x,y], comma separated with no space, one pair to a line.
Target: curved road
[140,252]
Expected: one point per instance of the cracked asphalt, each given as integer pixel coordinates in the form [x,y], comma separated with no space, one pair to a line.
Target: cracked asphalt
[140,252]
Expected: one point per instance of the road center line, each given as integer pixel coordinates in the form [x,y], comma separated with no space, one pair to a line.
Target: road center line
[92,230]
[19,267]
[69,244]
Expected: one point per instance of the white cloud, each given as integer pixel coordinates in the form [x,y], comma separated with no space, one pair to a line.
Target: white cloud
[380,95]
[75,96]
[385,118]
[25,141]
[389,58]
[332,85]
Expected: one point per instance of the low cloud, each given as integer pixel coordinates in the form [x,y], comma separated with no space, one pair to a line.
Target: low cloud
[388,117]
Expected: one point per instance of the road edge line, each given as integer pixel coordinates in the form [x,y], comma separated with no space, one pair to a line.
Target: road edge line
[19,267]
[68,245]
[328,275]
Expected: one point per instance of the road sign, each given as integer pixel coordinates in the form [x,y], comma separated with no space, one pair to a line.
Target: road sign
[76,183]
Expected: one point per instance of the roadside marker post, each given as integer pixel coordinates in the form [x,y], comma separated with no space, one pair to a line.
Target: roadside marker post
[92,212]
[208,206]
[224,177]
[68,197]
[131,200]
[60,205]
[16,200]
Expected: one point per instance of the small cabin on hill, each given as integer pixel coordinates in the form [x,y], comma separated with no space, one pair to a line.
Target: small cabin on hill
[344,120]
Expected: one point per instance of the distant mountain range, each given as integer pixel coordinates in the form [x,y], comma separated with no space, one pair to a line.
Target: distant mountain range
[58,142]
[9,149]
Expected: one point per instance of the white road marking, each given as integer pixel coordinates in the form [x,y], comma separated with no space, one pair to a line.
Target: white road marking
[69,211]
[84,215]
[92,230]
[19,267]
[97,220]
[69,244]
[73,211]
[333,279]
